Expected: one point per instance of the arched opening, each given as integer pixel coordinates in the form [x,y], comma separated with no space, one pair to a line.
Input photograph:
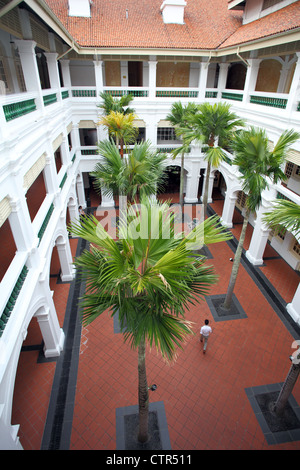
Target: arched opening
[172,183]
[236,77]
[268,76]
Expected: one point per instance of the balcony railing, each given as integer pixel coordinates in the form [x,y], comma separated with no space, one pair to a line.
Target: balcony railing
[12,299]
[274,100]
[177,93]
[18,109]
[137,92]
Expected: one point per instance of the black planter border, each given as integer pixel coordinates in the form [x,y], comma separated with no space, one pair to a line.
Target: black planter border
[157,407]
[282,435]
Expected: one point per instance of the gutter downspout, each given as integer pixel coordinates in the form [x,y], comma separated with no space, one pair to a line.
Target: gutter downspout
[69,50]
[207,63]
[243,60]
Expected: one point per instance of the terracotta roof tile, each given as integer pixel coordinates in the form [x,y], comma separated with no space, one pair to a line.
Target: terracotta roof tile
[207,24]
[283,20]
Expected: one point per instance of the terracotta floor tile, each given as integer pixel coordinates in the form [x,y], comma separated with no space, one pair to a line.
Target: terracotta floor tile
[204,396]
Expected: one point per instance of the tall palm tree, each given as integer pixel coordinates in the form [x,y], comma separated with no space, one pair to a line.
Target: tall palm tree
[121,127]
[286,215]
[212,125]
[256,164]
[150,278]
[121,105]
[178,117]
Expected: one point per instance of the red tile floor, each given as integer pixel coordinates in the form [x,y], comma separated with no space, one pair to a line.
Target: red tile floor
[204,395]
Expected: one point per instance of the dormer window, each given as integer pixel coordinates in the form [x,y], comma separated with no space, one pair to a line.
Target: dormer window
[81,8]
[173,11]
[269,3]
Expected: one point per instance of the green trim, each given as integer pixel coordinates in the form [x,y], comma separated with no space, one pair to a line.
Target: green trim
[84,93]
[232,96]
[176,94]
[50,99]
[15,110]
[64,95]
[45,223]
[266,101]
[135,93]
[12,299]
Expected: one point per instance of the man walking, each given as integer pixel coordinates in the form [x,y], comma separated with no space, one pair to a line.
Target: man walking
[205,331]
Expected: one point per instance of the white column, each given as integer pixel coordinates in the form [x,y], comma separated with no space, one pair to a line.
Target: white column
[53,335]
[151,128]
[80,191]
[222,78]
[293,308]
[202,80]
[73,211]
[294,90]
[98,64]
[152,78]
[107,200]
[124,73]
[21,226]
[9,437]
[228,209]
[258,242]
[65,70]
[30,69]
[261,231]
[65,259]
[251,77]
[53,69]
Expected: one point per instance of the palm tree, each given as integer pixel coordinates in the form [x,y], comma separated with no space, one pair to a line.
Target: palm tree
[178,117]
[120,105]
[141,173]
[285,215]
[121,127]
[256,164]
[212,125]
[149,277]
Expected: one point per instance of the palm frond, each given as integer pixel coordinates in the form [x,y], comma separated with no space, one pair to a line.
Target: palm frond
[285,215]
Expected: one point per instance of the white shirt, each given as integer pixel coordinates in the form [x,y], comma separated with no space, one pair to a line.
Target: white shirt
[205,330]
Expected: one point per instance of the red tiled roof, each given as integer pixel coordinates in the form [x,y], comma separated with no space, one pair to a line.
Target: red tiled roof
[280,21]
[208,25]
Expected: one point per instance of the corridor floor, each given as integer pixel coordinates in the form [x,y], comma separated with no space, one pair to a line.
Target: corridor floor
[204,396]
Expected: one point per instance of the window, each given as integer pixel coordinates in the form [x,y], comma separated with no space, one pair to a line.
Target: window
[166,133]
[269,3]
[241,199]
[296,248]
[289,169]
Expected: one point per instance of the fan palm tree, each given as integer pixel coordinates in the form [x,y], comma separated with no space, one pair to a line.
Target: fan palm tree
[121,127]
[178,117]
[212,125]
[256,164]
[120,105]
[149,278]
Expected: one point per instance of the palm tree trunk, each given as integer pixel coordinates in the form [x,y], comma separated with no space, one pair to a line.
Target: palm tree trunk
[205,196]
[181,182]
[286,389]
[143,394]
[236,263]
